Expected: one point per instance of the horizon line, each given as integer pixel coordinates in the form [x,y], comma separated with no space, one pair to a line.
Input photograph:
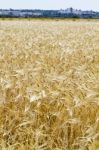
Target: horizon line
[47,9]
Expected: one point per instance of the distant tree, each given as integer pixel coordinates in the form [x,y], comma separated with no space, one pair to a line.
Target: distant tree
[71,10]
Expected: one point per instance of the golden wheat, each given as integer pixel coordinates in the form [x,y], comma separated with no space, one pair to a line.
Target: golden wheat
[49,85]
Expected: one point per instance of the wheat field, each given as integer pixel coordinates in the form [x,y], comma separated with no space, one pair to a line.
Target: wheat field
[49,84]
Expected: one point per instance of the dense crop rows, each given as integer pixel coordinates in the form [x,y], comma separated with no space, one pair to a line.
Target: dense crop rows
[49,85]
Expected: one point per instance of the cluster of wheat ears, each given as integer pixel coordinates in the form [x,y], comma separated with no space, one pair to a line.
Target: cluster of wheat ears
[49,85]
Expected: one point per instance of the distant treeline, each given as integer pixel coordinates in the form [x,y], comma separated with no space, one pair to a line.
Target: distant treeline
[67,13]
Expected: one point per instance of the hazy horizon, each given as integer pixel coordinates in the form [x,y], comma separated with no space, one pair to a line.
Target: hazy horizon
[50,4]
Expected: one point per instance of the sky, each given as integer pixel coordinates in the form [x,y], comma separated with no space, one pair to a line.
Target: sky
[50,4]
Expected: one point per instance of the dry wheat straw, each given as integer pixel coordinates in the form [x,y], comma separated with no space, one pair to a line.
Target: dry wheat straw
[49,85]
